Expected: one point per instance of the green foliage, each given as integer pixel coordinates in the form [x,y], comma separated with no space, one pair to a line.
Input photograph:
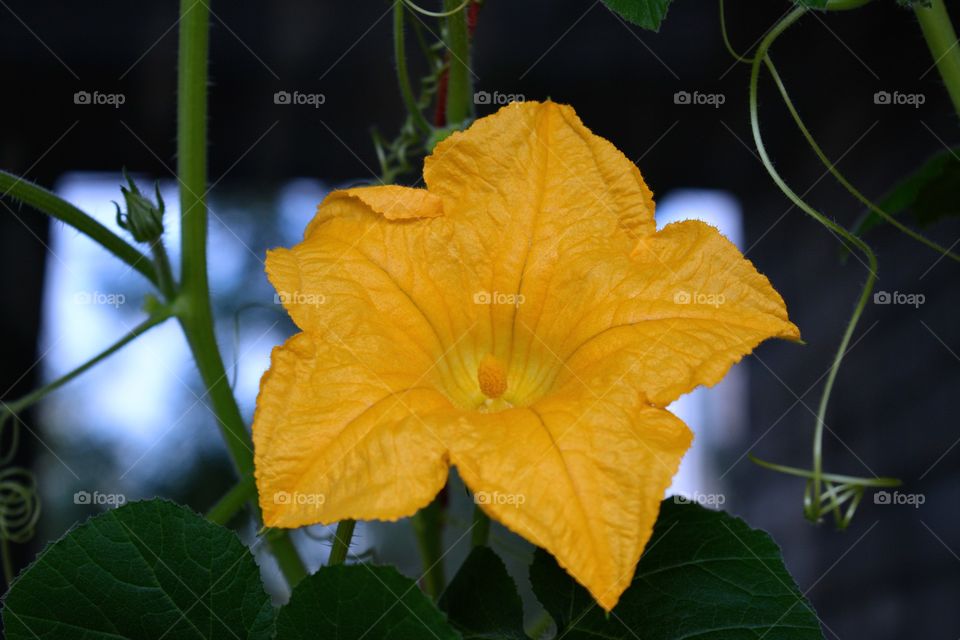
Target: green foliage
[147,570]
[645,13]
[704,574]
[482,600]
[361,601]
[929,194]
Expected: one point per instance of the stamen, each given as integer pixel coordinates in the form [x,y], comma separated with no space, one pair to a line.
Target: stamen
[492,377]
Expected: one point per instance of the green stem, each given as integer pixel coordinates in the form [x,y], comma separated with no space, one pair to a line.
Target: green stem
[341,542]
[831,167]
[942,41]
[193,303]
[195,313]
[480,533]
[56,207]
[165,282]
[233,501]
[726,38]
[15,407]
[539,626]
[403,76]
[845,5]
[828,477]
[428,529]
[459,83]
[864,298]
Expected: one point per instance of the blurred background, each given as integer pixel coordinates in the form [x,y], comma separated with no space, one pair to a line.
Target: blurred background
[138,426]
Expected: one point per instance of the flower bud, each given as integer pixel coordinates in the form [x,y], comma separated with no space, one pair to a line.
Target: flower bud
[143,219]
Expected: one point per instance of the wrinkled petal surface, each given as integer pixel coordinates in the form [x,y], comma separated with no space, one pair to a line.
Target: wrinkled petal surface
[520,318]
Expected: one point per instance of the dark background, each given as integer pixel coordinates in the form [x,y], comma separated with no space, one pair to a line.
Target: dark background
[896,572]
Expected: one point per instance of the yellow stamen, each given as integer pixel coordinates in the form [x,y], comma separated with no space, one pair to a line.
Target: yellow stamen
[492,377]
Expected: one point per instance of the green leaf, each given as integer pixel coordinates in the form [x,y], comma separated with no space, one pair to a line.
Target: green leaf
[350,602]
[813,4]
[930,193]
[645,13]
[482,600]
[704,575]
[148,570]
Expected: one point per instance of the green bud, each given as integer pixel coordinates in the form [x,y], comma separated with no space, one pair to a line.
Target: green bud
[143,219]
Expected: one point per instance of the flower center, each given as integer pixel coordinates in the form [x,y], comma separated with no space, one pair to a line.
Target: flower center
[492,377]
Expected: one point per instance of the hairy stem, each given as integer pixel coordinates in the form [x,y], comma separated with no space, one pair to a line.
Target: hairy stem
[403,76]
[480,534]
[34,396]
[233,501]
[341,542]
[942,41]
[56,207]
[193,303]
[459,83]
[428,529]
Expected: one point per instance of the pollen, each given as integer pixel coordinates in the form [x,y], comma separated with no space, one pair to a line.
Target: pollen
[492,377]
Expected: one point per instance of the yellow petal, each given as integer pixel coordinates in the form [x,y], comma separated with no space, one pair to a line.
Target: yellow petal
[703,310]
[580,473]
[335,440]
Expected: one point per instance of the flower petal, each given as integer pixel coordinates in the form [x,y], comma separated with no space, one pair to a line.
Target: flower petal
[335,440]
[705,308]
[580,473]
[340,410]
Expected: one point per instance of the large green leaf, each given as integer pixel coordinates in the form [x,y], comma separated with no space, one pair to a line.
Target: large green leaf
[930,193]
[645,13]
[148,570]
[482,600]
[704,575]
[361,601]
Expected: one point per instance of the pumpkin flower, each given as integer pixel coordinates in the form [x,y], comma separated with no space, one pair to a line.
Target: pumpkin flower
[520,318]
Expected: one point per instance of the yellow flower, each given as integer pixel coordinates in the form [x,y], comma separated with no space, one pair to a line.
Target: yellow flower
[520,318]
